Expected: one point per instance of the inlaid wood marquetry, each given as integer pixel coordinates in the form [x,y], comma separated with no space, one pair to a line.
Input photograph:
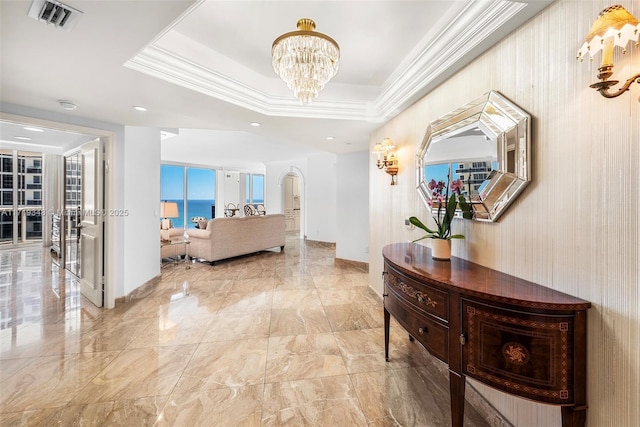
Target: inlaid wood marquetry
[516,336]
[543,376]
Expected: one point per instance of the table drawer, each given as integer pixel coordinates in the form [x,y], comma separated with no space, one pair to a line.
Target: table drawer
[522,353]
[431,334]
[423,297]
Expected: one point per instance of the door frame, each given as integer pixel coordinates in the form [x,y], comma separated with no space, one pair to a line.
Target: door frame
[110,255]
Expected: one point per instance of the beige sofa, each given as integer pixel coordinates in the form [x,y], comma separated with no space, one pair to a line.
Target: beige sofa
[229,237]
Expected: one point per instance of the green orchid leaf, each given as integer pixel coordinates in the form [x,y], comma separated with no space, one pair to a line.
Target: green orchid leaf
[467,211]
[428,236]
[456,236]
[451,208]
[415,221]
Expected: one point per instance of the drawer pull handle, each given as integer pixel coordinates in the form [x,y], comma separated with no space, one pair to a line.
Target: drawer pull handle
[424,330]
[420,299]
[463,340]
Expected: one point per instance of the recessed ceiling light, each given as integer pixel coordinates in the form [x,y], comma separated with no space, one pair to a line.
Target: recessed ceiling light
[329,138]
[67,105]
[139,108]
[22,138]
[32,129]
[255,124]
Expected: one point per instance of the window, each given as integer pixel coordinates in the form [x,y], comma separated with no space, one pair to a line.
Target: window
[27,194]
[255,189]
[172,189]
[201,195]
[7,163]
[199,198]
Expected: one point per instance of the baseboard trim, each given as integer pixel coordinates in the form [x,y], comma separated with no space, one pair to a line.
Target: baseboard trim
[319,244]
[363,266]
[141,291]
[484,408]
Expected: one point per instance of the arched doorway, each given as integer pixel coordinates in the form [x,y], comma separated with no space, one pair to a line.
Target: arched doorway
[293,201]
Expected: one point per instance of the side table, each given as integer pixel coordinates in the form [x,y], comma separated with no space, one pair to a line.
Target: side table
[175,243]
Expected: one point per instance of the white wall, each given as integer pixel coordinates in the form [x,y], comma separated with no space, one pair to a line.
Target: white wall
[320,197]
[142,201]
[352,200]
[232,188]
[576,227]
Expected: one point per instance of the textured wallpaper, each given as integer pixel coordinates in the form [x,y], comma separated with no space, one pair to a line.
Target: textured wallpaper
[576,226]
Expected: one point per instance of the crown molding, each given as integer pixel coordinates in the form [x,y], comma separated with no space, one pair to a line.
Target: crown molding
[163,64]
[440,55]
[466,31]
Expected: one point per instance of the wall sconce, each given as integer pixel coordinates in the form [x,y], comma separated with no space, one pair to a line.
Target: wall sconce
[615,26]
[386,158]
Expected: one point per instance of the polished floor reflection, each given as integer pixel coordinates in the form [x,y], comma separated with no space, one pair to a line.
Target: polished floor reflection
[266,340]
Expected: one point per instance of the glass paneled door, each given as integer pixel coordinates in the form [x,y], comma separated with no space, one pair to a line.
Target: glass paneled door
[82,223]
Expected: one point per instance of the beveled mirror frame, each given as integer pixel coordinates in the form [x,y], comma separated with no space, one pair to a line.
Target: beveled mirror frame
[498,119]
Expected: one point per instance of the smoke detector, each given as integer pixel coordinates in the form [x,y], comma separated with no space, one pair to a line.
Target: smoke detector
[54,13]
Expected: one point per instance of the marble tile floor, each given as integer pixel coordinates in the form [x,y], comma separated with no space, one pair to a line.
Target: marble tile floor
[272,339]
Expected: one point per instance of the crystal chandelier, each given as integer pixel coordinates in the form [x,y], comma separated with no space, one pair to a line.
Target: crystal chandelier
[305,59]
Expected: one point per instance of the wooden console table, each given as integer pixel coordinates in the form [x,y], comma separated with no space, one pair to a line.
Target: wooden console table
[511,334]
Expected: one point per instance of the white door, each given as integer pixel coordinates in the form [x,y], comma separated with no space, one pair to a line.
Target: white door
[91,225]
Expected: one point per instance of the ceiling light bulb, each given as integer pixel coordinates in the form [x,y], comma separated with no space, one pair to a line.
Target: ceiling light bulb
[22,138]
[67,105]
[255,124]
[329,138]
[139,108]
[32,129]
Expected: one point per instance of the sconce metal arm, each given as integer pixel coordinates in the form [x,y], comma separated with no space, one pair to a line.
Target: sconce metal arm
[603,86]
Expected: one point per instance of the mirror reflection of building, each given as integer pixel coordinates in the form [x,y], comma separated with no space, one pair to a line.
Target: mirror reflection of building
[484,144]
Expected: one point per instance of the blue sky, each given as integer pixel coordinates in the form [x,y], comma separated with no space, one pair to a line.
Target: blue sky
[201,183]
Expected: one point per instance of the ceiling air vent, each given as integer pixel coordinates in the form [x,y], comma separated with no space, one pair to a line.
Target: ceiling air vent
[55,13]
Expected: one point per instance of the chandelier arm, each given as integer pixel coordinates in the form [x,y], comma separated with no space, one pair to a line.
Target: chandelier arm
[603,86]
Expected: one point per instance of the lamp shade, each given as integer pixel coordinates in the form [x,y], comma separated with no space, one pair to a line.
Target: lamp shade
[615,21]
[169,210]
[387,145]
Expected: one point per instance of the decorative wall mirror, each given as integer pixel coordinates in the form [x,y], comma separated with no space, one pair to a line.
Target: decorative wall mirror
[485,144]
